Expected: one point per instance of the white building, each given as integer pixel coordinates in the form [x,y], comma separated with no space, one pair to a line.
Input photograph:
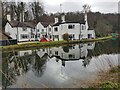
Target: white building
[75,30]
[26,31]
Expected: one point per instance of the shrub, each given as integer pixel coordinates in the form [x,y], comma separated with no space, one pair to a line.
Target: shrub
[66,37]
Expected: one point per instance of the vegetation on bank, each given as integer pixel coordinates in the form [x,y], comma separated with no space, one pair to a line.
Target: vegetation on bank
[53,43]
[107,80]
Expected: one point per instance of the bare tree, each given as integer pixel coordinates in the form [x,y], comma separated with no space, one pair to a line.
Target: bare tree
[37,9]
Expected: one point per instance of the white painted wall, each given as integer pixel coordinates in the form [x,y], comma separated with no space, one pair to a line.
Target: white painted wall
[12,32]
[79,31]
[42,31]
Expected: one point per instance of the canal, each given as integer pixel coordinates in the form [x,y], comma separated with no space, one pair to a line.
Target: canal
[65,66]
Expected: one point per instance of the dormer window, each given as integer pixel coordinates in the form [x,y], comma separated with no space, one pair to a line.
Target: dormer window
[56,29]
[24,29]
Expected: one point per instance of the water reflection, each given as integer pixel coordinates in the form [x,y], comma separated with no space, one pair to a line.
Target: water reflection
[42,64]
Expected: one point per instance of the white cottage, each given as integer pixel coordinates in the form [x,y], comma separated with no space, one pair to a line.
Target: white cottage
[20,31]
[75,30]
[27,31]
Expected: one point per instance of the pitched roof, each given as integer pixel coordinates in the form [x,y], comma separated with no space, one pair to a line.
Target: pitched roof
[45,24]
[14,23]
[57,24]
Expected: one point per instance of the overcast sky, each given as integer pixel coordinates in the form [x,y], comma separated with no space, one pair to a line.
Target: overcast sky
[53,6]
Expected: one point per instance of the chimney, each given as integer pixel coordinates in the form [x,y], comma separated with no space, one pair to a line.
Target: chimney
[63,18]
[8,17]
[56,20]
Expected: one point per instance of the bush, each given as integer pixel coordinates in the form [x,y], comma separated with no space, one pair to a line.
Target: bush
[109,84]
[66,37]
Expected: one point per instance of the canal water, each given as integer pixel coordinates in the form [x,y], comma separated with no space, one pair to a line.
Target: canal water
[65,66]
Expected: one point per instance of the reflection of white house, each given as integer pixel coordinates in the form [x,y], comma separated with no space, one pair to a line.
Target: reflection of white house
[74,52]
[24,53]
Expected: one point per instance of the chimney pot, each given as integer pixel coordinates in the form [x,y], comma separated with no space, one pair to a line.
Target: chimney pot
[63,18]
[56,20]
[8,17]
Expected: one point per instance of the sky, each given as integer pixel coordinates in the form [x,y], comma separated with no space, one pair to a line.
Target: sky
[103,6]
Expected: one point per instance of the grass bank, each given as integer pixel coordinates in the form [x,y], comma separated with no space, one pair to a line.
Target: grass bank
[106,80]
[50,44]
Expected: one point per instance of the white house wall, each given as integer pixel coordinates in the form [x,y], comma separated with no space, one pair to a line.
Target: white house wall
[79,31]
[41,29]
[12,32]
[75,31]
[91,32]
[26,52]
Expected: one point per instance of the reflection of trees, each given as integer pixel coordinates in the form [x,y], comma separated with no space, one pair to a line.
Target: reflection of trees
[86,62]
[66,48]
[8,76]
[14,65]
[106,47]
[39,65]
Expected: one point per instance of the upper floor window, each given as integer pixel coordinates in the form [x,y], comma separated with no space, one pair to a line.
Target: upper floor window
[24,36]
[56,52]
[55,29]
[24,29]
[71,56]
[83,27]
[71,26]
[38,30]
[49,29]
[32,30]
[42,30]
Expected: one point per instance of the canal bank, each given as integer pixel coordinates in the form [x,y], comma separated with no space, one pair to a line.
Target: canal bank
[107,79]
[26,45]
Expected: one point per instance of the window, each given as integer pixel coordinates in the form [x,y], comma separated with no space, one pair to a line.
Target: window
[71,26]
[83,27]
[24,36]
[43,50]
[32,36]
[71,36]
[56,29]
[50,52]
[89,44]
[56,52]
[32,30]
[38,35]
[89,35]
[71,56]
[24,29]
[49,29]
[38,30]
[26,53]
[56,36]
[42,30]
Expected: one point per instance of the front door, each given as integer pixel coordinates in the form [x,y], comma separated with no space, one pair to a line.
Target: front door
[89,35]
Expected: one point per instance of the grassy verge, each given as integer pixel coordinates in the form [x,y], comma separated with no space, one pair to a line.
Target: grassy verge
[50,44]
[107,80]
